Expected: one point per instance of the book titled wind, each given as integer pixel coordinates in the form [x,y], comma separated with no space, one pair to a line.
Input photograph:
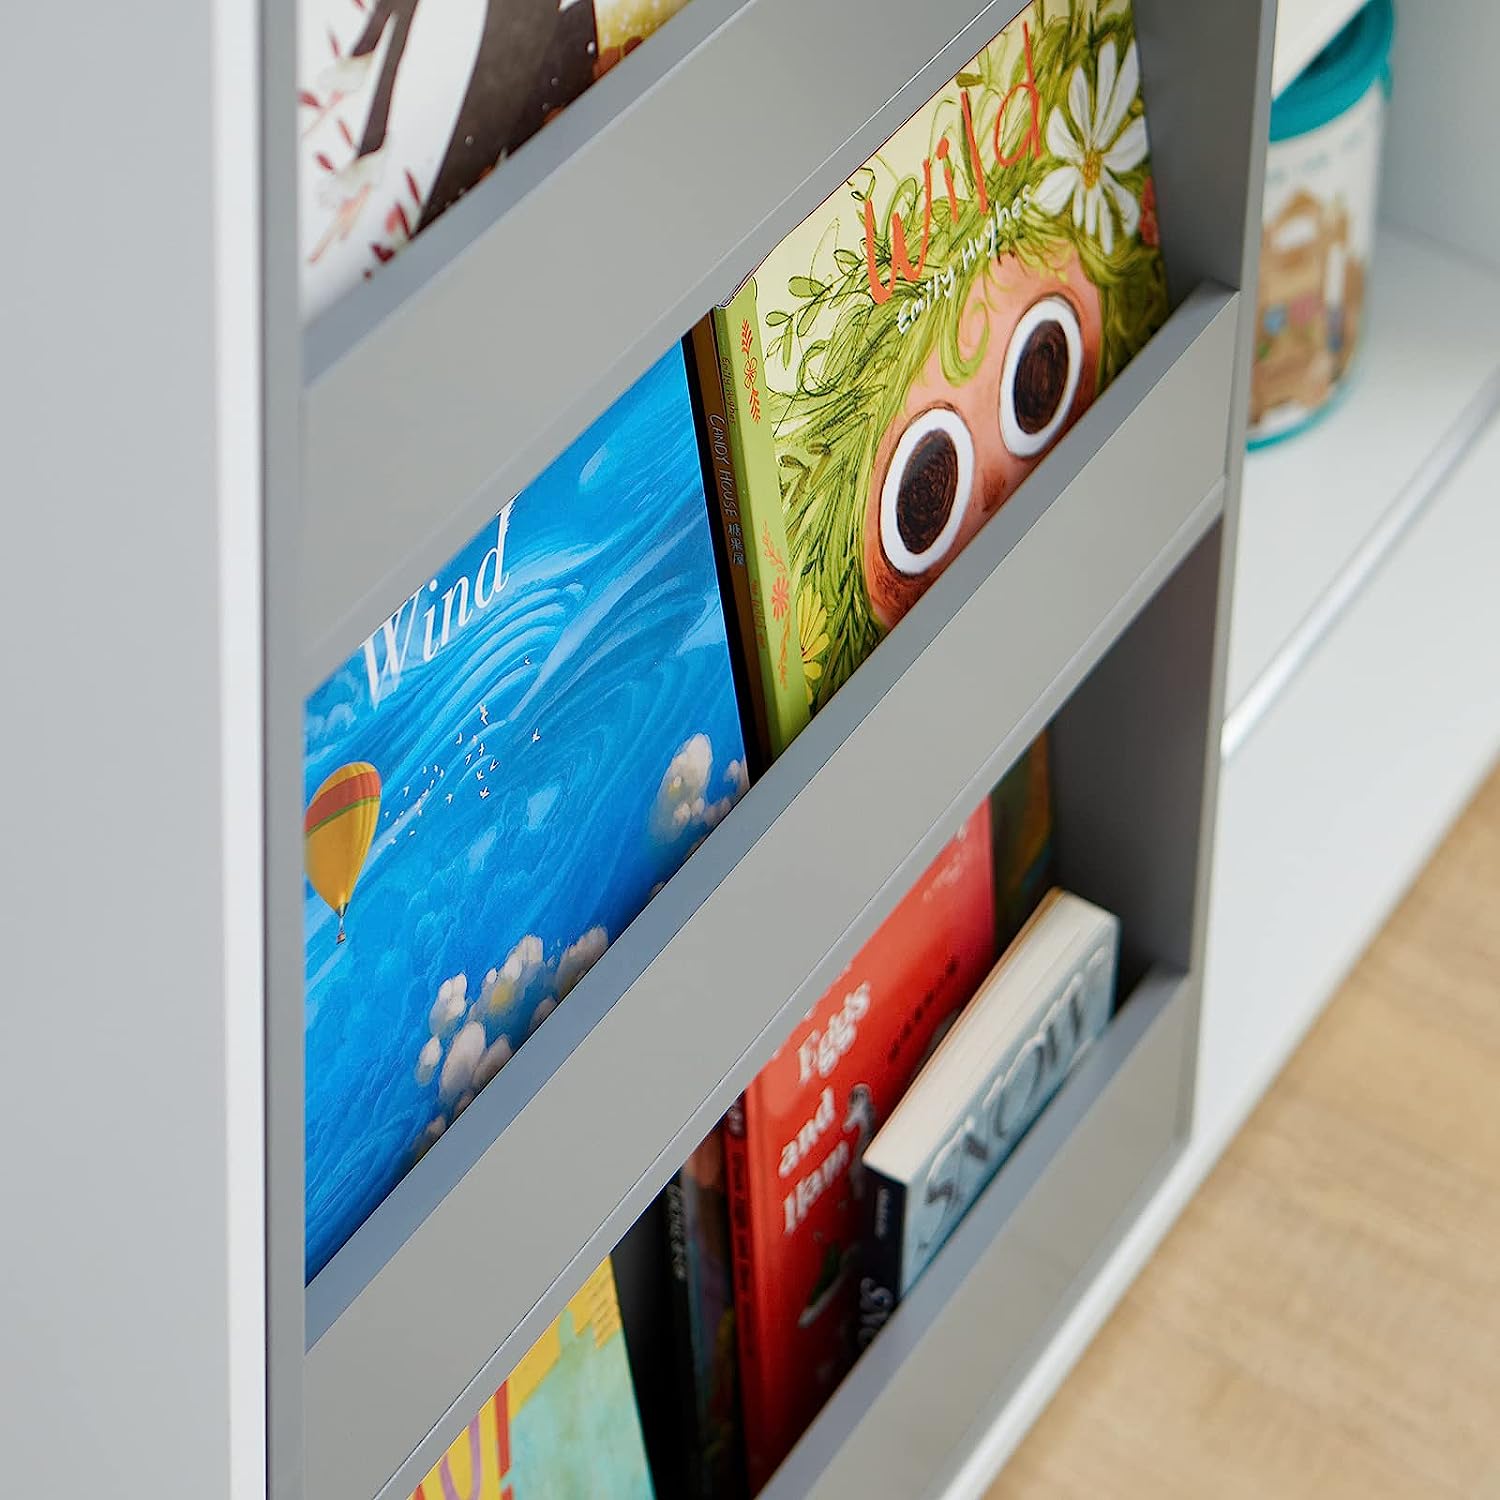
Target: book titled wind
[497,781]
[564,1426]
[903,360]
[1046,1000]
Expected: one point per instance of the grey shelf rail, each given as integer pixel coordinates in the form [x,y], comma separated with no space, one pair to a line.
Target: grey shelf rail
[816,854]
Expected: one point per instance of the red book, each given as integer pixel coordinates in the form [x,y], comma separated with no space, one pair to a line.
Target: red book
[794,1142]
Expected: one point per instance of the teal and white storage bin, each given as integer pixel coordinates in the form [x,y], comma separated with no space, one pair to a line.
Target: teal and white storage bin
[1318,234]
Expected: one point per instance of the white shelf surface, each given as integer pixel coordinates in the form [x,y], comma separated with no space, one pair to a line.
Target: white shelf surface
[1303,29]
[1312,503]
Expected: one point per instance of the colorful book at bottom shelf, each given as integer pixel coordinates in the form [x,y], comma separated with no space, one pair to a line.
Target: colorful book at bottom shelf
[564,1426]
[1049,996]
[497,781]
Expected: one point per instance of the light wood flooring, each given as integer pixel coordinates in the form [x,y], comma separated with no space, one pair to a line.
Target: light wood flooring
[1324,1320]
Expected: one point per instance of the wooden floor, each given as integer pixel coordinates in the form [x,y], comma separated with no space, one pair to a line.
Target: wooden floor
[1325,1318]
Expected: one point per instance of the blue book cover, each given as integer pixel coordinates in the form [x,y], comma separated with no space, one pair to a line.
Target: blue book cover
[496,783]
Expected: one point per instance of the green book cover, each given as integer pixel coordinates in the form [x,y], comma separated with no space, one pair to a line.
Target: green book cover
[935,328]
[784,689]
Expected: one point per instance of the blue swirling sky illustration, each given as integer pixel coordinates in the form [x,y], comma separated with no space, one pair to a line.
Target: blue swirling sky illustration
[541,774]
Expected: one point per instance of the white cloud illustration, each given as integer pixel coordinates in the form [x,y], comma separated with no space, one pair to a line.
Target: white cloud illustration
[680,798]
[495,1057]
[427,1061]
[432,1132]
[448,1009]
[510,982]
[464,1053]
[578,958]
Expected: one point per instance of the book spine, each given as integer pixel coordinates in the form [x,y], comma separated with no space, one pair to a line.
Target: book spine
[754,1409]
[682,1329]
[729,535]
[752,443]
[885,1233]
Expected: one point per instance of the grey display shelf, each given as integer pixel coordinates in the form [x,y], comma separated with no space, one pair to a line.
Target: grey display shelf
[1094,600]
[802,858]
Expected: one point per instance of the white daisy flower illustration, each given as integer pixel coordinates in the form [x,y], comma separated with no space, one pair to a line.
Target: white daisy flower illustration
[1098,150]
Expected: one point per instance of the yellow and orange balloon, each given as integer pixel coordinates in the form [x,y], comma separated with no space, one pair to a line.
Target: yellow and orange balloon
[337,832]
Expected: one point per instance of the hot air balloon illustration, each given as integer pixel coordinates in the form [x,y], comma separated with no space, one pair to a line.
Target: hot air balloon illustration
[337,831]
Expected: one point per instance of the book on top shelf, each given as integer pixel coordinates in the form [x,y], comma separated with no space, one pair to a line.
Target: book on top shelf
[914,349]
[497,781]
[793,1143]
[564,1426]
[404,105]
[1046,1000]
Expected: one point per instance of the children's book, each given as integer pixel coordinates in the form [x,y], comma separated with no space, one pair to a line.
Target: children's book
[913,350]
[795,1140]
[404,105]
[564,1426]
[1045,1001]
[697,1207]
[497,781]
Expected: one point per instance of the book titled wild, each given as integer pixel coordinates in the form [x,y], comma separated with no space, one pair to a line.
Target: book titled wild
[898,366]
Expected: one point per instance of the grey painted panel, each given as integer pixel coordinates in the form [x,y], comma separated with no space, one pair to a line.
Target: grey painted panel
[817,853]
[1128,765]
[903,1420]
[464,391]
[1205,76]
[1218,101]
[115,1343]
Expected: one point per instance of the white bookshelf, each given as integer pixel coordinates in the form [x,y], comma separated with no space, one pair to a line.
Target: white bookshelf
[1322,509]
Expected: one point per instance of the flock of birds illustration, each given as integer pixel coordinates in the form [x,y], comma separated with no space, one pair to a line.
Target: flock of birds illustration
[344,816]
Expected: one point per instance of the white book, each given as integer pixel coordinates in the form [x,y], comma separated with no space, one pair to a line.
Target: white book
[1039,1008]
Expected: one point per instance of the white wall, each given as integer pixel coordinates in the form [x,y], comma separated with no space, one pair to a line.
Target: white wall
[1442,175]
[129,495]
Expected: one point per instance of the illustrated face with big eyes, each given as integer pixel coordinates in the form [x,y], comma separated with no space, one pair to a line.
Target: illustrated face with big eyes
[955,454]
